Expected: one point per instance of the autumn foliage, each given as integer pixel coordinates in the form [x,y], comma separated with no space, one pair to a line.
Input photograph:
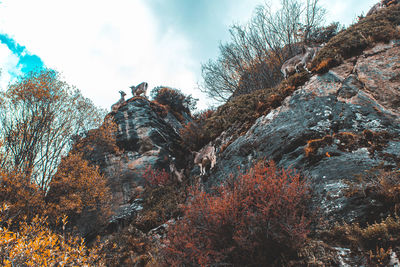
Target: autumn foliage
[39,114]
[174,99]
[250,220]
[25,198]
[95,143]
[35,244]
[77,186]
[156,177]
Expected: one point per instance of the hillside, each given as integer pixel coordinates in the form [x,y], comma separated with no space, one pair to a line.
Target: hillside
[306,173]
[339,127]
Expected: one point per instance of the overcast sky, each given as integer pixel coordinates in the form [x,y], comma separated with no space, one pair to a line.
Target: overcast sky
[102,47]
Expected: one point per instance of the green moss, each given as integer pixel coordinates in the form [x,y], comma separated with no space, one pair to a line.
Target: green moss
[368,31]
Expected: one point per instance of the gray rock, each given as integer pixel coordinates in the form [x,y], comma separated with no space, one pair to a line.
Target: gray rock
[339,101]
[147,140]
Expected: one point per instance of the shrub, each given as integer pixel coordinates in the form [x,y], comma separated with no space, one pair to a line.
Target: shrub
[76,187]
[34,244]
[380,27]
[25,198]
[381,185]
[250,220]
[373,241]
[160,109]
[325,65]
[348,142]
[194,135]
[128,247]
[159,205]
[97,142]
[174,98]
[156,177]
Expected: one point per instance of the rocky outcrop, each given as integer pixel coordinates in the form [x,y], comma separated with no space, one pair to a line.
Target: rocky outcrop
[146,140]
[337,125]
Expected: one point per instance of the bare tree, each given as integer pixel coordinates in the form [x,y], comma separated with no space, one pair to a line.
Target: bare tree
[253,57]
[313,19]
[38,116]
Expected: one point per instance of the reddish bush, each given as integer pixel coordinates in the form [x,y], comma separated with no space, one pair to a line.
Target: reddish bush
[160,109]
[156,177]
[324,65]
[252,219]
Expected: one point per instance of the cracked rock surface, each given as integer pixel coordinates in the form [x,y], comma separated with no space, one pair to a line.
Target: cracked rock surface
[146,140]
[360,100]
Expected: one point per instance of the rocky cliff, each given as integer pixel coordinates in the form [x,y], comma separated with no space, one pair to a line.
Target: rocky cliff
[335,126]
[147,140]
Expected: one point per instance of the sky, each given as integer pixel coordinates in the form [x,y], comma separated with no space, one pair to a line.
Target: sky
[102,47]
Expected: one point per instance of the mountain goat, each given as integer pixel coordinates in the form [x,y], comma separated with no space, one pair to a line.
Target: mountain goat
[121,101]
[140,89]
[299,62]
[205,158]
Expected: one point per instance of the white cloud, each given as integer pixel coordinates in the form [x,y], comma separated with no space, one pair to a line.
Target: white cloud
[100,46]
[106,46]
[8,66]
[346,11]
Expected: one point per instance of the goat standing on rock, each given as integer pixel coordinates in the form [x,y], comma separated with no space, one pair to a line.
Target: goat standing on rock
[205,158]
[121,101]
[299,62]
[140,89]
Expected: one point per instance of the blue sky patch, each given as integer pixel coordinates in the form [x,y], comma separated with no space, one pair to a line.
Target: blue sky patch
[27,62]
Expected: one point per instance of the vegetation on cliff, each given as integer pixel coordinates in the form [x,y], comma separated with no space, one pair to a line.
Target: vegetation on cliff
[53,144]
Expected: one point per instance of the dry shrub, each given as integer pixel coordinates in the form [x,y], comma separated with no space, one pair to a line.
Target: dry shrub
[348,142]
[380,27]
[174,99]
[325,65]
[160,109]
[380,185]
[76,187]
[159,205]
[25,198]
[128,247]
[35,244]
[373,241]
[97,142]
[154,178]
[250,220]
[386,188]
[314,144]
[194,135]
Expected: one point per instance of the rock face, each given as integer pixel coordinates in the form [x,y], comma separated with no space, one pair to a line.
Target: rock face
[146,140]
[337,125]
